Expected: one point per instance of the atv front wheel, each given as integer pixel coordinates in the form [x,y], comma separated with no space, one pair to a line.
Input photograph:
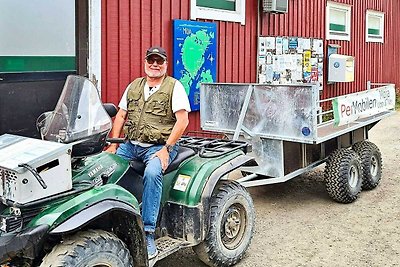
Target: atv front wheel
[92,248]
[371,161]
[231,226]
[343,175]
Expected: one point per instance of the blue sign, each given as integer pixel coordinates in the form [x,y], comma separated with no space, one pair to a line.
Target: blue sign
[195,56]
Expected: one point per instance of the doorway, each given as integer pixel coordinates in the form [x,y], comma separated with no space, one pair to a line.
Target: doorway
[43,41]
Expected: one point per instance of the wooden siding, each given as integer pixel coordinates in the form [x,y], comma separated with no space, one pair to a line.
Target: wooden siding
[129,27]
[375,62]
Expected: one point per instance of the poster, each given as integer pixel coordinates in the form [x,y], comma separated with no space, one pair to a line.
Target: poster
[285,45]
[270,43]
[279,45]
[262,46]
[306,61]
[195,56]
[293,42]
[318,46]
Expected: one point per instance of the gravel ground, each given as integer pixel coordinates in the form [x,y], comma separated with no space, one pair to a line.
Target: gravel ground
[299,225]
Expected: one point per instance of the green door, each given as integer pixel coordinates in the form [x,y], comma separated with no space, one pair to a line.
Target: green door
[41,43]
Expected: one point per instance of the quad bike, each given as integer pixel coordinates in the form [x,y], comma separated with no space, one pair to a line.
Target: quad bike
[64,202]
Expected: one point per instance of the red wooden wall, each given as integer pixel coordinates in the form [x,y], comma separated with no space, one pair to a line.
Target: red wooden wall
[129,27]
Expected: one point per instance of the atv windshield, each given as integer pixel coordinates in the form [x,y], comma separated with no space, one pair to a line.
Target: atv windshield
[79,113]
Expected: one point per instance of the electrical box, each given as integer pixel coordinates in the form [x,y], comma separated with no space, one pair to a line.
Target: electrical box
[340,68]
[25,161]
[275,6]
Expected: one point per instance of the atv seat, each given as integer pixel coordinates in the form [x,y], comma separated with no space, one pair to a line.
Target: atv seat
[183,153]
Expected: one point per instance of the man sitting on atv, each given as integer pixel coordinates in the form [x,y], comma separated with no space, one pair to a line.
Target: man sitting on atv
[153,112]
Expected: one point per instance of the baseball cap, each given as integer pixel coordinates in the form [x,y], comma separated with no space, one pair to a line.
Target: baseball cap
[156,50]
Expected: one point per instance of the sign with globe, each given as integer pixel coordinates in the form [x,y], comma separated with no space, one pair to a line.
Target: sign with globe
[195,56]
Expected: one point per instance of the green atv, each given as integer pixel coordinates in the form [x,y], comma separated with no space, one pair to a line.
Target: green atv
[64,202]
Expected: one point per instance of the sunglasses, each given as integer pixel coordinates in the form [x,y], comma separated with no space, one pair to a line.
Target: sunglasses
[159,60]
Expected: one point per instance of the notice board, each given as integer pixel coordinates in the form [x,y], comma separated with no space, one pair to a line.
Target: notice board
[290,60]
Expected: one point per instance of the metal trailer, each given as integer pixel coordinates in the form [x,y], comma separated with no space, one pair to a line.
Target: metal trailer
[292,131]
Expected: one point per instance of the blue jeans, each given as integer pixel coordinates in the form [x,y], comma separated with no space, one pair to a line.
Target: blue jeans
[152,178]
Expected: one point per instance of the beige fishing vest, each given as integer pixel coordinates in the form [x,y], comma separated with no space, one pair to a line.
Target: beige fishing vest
[150,121]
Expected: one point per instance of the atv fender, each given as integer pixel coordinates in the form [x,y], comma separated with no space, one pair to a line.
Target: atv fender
[191,221]
[114,216]
[215,177]
[90,214]
[108,207]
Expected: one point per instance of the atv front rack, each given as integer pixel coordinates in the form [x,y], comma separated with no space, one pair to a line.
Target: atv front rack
[212,148]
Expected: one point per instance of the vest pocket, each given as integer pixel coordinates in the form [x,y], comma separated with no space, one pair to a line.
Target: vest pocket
[134,95]
[152,134]
[158,108]
[133,100]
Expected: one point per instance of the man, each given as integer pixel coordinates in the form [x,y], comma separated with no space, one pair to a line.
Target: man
[153,114]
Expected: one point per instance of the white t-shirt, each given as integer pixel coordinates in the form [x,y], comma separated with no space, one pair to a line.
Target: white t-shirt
[179,97]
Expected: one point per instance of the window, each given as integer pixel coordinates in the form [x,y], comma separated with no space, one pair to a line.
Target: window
[227,10]
[375,26]
[338,21]
[37,36]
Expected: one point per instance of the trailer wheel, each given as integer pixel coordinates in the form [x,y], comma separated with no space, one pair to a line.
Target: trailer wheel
[231,229]
[343,175]
[371,161]
[92,248]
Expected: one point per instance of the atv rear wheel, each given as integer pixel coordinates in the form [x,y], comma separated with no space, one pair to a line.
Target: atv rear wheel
[371,161]
[231,226]
[343,175]
[92,248]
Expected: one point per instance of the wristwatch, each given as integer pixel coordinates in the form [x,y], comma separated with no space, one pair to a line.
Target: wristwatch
[169,148]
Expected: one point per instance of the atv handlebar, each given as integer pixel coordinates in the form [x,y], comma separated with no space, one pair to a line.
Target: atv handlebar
[116,140]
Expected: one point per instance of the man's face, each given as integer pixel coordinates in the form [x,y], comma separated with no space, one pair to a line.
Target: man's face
[155,66]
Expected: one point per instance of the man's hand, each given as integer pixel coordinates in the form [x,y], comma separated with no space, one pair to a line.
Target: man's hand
[163,155]
[112,148]
[180,125]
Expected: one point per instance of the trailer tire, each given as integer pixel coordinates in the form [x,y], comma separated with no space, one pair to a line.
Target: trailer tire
[89,248]
[371,161]
[343,175]
[232,219]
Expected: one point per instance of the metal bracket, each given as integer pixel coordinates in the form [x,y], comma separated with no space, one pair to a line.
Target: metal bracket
[245,106]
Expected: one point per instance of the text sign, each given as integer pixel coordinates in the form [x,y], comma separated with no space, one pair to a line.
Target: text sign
[349,108]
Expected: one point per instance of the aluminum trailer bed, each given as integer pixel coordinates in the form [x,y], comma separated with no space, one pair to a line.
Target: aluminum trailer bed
[291,130]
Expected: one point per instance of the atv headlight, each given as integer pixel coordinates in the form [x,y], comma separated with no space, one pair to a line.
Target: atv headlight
[10,223]
[3,224]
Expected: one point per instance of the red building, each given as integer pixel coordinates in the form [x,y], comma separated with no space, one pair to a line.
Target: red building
[368,30]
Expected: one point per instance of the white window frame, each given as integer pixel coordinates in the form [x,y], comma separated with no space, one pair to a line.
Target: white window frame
[197,12]
[375,38]
[94,59]
[336,35]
